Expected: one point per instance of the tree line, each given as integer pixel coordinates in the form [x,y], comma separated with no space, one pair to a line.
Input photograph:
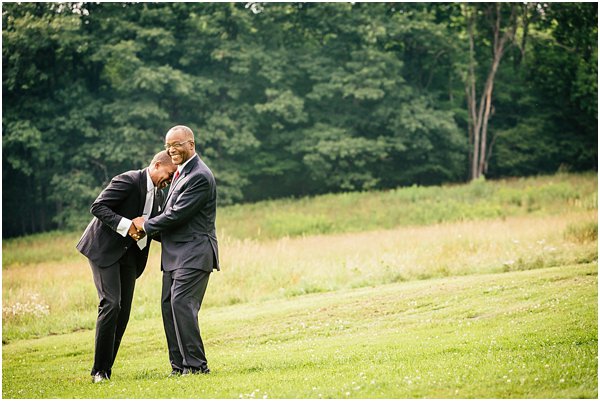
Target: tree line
[290,99]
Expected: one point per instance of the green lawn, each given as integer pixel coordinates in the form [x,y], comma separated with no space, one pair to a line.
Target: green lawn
[518,334]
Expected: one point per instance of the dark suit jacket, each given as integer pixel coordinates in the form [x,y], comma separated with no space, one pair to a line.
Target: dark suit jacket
[125,196]
[187,225]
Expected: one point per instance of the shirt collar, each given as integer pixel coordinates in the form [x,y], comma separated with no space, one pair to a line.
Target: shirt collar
[182,166]
[149,183]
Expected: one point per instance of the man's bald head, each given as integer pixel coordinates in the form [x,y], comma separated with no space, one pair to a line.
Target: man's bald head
[180,144]
[186,131]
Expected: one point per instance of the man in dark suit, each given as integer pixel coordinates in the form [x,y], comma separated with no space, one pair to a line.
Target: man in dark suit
[117,252]
[189,250]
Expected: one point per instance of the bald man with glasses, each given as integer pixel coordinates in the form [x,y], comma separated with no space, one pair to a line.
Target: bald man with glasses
[189,250]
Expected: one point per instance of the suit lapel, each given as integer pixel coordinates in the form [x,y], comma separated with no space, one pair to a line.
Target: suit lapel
[175,185]
[183,174]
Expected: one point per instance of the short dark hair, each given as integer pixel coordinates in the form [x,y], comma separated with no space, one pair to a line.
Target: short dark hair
[162,157]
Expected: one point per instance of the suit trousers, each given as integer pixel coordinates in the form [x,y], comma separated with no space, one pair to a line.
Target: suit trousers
[115,285]
[182,294]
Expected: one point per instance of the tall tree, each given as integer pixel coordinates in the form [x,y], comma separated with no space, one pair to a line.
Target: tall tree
[498,21]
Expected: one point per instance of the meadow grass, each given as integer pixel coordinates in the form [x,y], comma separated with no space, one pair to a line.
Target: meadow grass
[520,334]
[481,290]
[410,206]
[288,267]
[536,222]
[360,212]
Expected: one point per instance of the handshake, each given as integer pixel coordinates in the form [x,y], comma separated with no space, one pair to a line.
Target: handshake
[136,230]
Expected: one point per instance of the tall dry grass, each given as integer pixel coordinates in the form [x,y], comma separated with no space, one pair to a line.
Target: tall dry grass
[255,270]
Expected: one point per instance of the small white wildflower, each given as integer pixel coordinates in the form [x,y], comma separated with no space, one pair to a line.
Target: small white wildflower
[34,306]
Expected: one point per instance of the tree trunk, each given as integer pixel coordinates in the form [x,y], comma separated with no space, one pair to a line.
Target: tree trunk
[471,102]
[479,114]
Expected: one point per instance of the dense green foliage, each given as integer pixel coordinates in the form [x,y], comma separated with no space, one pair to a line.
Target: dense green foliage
[287,99]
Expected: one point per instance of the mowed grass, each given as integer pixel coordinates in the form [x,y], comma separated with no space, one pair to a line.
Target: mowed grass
[525,334]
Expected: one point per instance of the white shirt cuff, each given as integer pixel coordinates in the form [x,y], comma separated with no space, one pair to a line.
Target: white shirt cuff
[123,227]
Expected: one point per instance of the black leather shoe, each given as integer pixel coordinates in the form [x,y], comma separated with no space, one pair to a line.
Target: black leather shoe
[175,373]
[100,377]
[195,371]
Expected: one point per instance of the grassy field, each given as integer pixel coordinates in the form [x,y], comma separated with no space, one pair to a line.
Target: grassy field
[481,290]
[530,334]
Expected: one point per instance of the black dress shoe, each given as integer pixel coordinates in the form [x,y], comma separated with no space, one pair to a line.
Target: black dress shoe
[196,371]
[100,377]
[175,373]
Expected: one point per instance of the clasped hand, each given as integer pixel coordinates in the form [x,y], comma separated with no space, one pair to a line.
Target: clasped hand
[136,230]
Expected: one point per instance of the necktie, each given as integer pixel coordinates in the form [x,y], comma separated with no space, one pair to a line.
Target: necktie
[146,214]
[173,181]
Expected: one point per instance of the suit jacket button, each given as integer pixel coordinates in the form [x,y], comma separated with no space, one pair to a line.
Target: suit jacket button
[125,248]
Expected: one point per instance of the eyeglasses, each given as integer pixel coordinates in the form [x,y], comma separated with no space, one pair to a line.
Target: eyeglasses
[176,144]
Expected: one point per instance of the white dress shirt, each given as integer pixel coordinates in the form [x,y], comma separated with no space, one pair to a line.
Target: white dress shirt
[125,223]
